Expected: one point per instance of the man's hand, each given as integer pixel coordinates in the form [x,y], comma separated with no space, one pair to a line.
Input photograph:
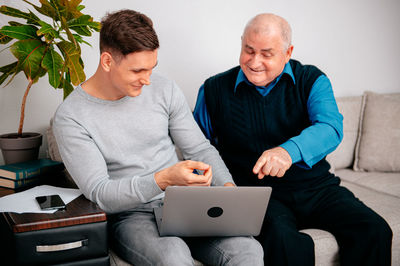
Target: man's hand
[229,184]
[273,162]
[181,174]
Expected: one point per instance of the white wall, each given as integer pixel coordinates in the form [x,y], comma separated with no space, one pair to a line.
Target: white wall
[356,43]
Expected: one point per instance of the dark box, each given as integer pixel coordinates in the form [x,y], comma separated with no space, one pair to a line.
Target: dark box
[75,236]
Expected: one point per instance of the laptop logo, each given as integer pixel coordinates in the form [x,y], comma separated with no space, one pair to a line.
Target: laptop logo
[215,212]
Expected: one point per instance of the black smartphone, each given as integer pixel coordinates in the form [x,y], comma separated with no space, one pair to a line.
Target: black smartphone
[50,202]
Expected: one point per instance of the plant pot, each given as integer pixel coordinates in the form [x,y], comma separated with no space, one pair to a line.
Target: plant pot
[16,148]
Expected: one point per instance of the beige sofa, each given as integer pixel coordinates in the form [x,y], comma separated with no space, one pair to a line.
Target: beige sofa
[367,161]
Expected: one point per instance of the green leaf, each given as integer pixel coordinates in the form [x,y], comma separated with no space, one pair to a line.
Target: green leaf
[79,39]
[30,17]
[66,86]
[4,38]
[80,25]
[41,72]
[72,56]
[14,23]
[53,63]
[80,7]
[64,26]
[29,54]
[33,19]
[12,72]
[95,25]
[56,6]
[46,9]
[71,9]
[81,62]
[8,67]
[48,31]
[20,32]
[3,78]
[68,76]
[7,71]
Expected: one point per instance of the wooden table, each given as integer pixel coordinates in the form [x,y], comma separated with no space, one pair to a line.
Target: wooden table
[78,211]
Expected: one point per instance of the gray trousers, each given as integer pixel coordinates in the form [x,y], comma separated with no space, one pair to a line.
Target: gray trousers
[134,237]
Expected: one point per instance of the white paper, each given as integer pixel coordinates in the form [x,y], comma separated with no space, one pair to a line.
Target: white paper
[25,201]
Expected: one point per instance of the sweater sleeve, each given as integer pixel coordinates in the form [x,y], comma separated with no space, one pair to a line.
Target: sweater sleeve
[188,137]
[88,168]
[326,130]
[202,116]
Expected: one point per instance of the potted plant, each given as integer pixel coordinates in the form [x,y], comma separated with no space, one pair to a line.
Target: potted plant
[50,46]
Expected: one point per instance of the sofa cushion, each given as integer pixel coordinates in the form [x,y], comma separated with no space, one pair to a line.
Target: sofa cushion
[378,145]
[386,206]
[388,183]
[52,144]
[325,247]
[55,154]
[350,108]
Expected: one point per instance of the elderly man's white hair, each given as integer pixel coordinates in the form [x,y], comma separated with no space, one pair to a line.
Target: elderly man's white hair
[265,23]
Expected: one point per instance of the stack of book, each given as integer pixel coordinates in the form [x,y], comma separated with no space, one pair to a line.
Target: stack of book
[19,175]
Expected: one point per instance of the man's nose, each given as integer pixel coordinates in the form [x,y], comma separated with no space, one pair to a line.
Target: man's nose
[145,79]
[255,61]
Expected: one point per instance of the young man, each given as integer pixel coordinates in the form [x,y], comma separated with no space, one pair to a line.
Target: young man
[116,134]
[273,121]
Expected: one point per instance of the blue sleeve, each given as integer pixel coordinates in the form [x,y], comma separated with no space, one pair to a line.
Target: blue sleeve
[326,130]
[202,116]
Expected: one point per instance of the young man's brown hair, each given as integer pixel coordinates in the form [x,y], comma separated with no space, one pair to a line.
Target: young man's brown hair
[127,31]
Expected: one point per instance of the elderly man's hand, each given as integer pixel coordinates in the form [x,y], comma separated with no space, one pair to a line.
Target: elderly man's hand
[273,162]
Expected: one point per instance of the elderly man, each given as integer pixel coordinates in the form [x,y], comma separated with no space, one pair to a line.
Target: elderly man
[116,134]
[273,121]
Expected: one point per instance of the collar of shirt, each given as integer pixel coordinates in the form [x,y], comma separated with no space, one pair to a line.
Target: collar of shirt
[262,89]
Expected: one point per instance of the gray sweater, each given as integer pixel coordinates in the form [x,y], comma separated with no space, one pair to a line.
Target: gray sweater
[112,149]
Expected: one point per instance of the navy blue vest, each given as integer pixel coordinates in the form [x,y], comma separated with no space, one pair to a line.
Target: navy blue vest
[246,124]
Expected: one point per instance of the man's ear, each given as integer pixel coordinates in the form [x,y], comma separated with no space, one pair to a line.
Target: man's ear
[105,61]
[289,53]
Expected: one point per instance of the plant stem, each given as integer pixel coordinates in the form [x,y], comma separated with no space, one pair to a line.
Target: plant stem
[21,119]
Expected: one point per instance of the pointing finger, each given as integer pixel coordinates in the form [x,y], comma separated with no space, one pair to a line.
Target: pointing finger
[259,164]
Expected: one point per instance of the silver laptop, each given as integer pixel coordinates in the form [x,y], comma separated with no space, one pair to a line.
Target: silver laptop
[212,211]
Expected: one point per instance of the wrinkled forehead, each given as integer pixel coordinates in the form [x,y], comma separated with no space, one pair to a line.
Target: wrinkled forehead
[268,26]
[262,38]
[263,27]
[264,22]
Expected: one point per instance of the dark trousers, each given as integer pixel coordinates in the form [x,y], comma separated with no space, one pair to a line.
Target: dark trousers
[364,238]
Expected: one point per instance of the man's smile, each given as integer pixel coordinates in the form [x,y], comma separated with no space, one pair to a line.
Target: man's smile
[256,71]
